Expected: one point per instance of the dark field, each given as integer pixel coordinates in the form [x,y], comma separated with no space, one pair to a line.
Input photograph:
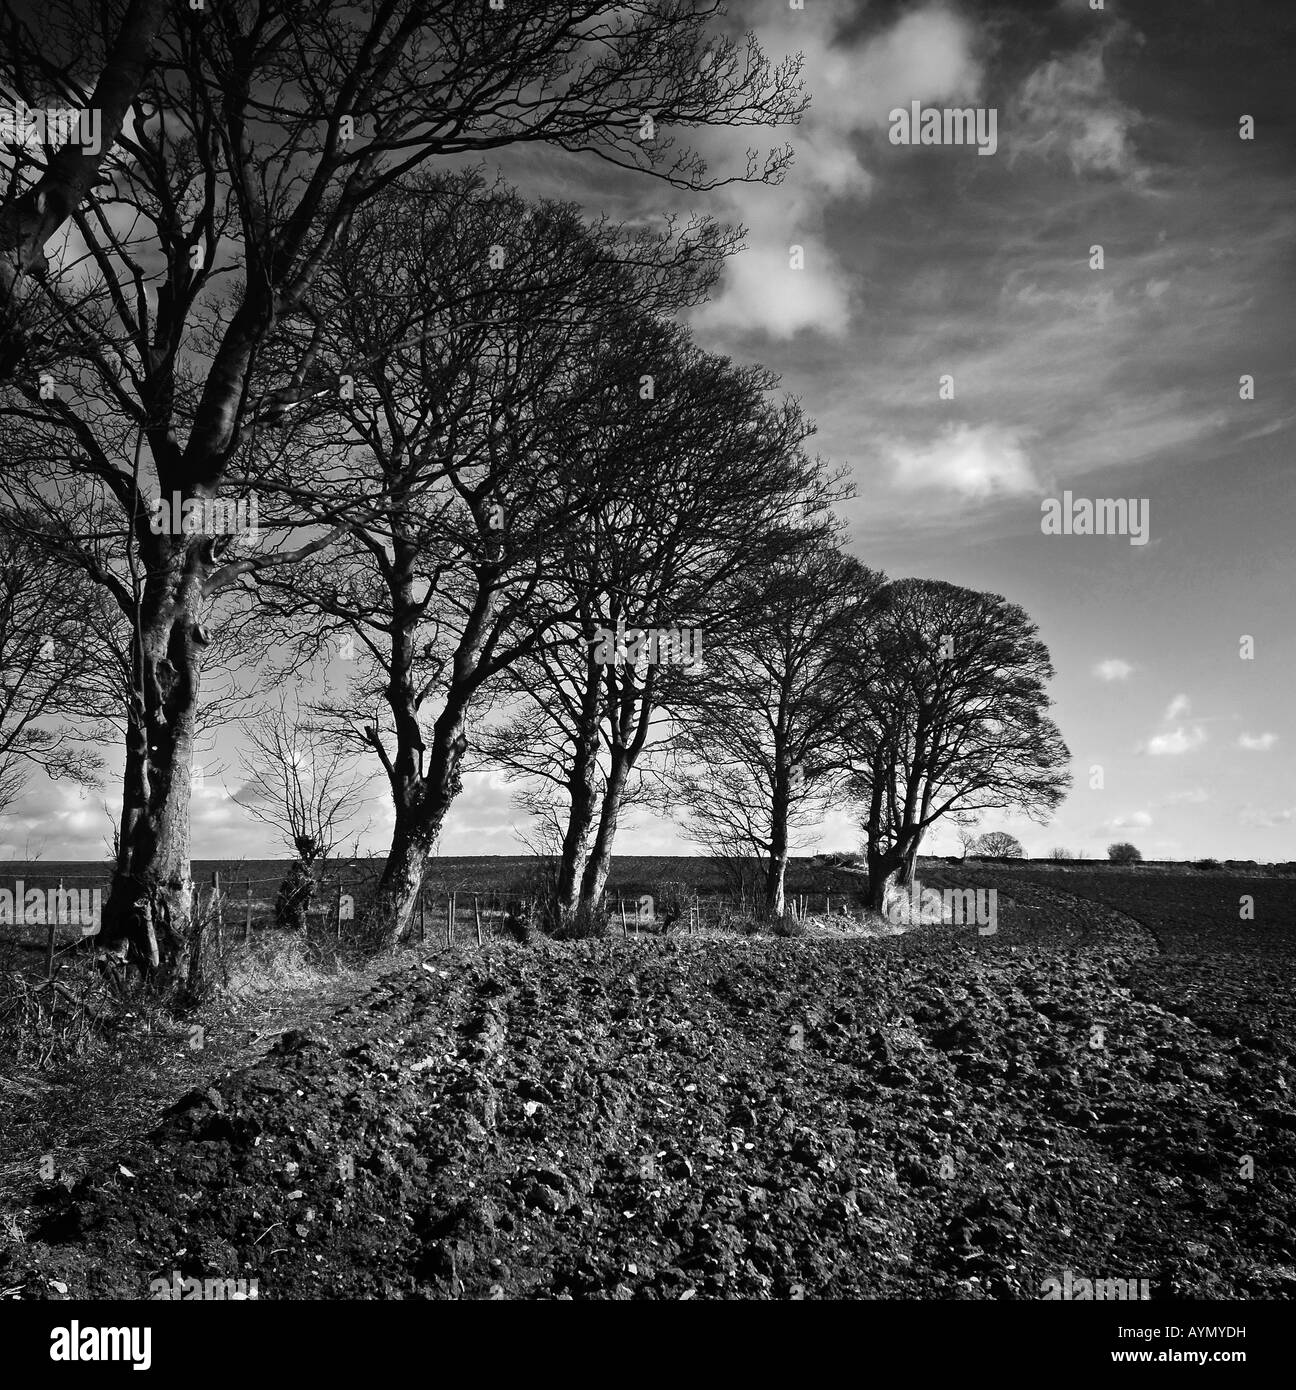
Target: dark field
[1103,1086]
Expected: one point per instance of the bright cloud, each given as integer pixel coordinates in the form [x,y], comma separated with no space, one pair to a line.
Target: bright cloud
[1178,707]
[1177,741]
[764,294]
[975,461]
[1257,743]
[925,56]
[1113,669]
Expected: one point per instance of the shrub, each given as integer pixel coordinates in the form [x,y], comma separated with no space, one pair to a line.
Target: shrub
[1123,853]
[585,924]
[522,920]
[672,903]
[1207,864]
[296,897]
[730,919]
[788,925]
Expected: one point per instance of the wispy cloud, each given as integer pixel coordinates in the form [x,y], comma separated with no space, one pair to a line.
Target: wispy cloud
[1066,110]
[1257,743]
[1113,669]
[1195,796]
[1259,819]
[1135,820]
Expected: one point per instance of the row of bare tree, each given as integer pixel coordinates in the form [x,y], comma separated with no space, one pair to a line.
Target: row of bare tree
[474,433]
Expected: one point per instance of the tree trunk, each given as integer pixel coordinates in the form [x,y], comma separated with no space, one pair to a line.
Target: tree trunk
[883,867]
[776,870]
[147,917]
[576,838]
[422,803]
[396,903]
[908,862]
[599,863]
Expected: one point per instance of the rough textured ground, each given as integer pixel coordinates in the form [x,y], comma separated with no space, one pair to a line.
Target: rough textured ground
[937,1114]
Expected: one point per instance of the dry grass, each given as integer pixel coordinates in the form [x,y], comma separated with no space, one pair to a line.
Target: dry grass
[86,1065]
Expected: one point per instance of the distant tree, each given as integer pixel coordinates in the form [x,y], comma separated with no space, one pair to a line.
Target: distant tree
[306,790]
[761,732]
[998,844]
[949,717]
[969,840]
[690,488]
[1061,855]
[1123,853]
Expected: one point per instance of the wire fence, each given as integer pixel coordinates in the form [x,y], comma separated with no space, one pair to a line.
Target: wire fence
[57,914]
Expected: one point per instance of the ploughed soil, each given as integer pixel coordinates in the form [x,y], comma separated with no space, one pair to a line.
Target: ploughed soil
[936,1114]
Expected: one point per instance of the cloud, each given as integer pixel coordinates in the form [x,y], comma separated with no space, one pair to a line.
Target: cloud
[1064,110]
[1113,669]
[925,56]
[1178,707]
[1177,741]
[1257,743]
[763,294]
[1196,796]
[1136,820]
[1259,819]
[974,461]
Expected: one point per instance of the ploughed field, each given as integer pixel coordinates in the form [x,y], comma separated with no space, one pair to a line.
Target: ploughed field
[1104,1086]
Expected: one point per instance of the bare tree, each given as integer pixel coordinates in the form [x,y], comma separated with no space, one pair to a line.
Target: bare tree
[55,694]
[298,781]
[305,786]
[763,726]
[951,718]
[969,839]
[46,185]
[460,463]
[244,152]
[697,480]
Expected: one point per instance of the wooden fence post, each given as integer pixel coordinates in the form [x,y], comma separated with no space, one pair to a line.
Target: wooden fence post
[247,921]
[625,930]
[339,910]
[477,917]
[449,920]
[422,914]
[51,928]
[220,912]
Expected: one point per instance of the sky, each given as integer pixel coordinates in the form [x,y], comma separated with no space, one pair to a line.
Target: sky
[968,354]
